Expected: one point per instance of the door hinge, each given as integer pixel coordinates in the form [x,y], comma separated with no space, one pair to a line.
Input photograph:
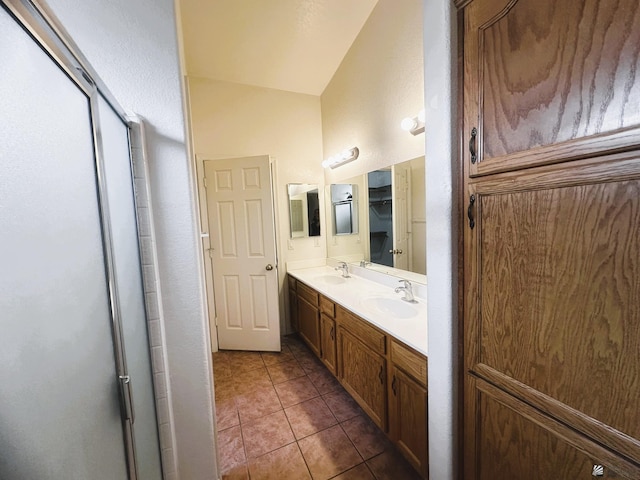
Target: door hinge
[204,181]
[215,320]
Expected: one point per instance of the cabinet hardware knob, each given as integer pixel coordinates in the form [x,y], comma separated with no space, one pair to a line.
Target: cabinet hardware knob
[393,386]
[472,145]
[597,471]
[381,376]
[472,222]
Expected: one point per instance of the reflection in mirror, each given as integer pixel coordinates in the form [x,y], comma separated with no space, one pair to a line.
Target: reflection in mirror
[380,217]
[344,209]
[304,210]
[393,222]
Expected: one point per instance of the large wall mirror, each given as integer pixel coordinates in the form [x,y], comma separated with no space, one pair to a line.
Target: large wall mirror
[392,234]
[304,210]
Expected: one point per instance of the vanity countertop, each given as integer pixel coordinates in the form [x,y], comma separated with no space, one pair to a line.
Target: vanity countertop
[372,301]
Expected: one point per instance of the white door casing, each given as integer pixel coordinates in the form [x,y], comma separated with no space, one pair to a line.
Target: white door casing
[243,253]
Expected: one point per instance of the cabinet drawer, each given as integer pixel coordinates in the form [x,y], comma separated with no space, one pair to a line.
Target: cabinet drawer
[327,306]
[308,293]
[371,337]
[292,283]
[411,362]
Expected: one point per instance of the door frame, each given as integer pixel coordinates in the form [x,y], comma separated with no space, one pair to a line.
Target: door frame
[203,219]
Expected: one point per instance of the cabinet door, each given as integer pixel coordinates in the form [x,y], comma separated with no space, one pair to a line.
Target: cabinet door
[293,310]
[552,302]
[309,324]
[517,442]
[408,418]
[363,374]
[328,339]
[547,81]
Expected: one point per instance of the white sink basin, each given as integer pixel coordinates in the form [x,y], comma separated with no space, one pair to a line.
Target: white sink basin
[390,306]
[330,279]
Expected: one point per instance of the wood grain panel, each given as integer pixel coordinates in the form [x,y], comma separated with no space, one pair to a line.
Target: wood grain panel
[517,442]
[555,71]
[409,417]
[308,293]
[410,361]
[309,323]
[369,335]
[328,335]
[327,306]
[363,374]
[600,432]
[560,268]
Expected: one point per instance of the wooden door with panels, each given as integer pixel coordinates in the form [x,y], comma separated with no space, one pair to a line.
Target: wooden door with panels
[243,253]
[551,283]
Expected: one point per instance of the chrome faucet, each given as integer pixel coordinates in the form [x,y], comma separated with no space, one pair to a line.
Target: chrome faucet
[364,263]
[408,291]
[345,269]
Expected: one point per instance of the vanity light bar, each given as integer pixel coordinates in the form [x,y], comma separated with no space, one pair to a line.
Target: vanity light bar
[347,155]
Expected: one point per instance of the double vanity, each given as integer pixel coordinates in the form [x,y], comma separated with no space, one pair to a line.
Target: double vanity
[373,338]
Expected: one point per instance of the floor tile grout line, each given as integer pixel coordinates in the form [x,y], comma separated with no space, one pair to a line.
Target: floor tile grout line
[308,373]
[297,441]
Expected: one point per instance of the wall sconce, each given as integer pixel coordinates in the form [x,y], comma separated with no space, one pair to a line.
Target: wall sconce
[347,155]
[413,125]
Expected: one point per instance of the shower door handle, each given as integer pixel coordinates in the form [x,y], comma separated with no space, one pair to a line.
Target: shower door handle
[127,396]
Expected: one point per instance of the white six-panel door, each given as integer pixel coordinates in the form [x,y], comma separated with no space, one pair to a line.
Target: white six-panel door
[243,254]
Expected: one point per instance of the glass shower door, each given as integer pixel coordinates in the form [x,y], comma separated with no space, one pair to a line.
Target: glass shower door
[113,136]
[60,412]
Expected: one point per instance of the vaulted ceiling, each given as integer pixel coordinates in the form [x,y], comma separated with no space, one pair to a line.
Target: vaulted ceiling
[293,45]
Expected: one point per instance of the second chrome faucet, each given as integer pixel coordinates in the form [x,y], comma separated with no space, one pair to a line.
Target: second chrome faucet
[345,269]
[407,288]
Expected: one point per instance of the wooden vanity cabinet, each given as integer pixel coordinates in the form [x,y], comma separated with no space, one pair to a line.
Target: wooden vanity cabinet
[362,367]
[408,405]
[386,378]
[309,316]
[328,334]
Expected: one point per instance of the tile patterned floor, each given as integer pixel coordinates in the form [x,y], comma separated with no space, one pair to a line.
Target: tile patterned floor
[283,416]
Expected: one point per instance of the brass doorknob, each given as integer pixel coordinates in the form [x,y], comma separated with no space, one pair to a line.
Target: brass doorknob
[269,267]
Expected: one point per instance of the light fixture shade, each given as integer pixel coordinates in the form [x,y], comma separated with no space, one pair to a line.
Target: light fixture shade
[408,124]
[347,155]
[414,125]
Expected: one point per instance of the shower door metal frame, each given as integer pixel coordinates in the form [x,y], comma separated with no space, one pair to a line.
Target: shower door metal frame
[54,40]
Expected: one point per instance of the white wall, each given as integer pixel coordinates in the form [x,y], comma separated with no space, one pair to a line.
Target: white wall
[235,120]
[441,155]
[132,45]
[379,82]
